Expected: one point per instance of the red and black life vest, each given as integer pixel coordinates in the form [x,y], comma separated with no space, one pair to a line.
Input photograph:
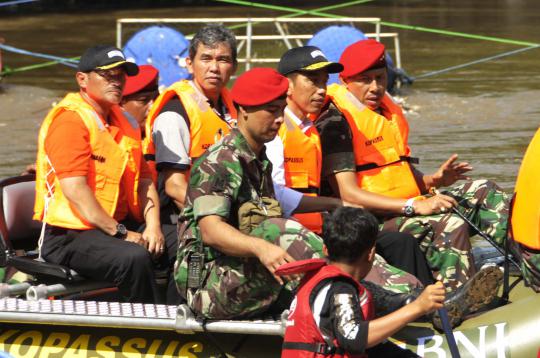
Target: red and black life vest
[302,336]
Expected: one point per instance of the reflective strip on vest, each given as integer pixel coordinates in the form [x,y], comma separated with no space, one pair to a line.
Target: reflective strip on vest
[380,145]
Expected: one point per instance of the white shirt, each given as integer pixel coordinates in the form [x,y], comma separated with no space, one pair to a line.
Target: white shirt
[288,198]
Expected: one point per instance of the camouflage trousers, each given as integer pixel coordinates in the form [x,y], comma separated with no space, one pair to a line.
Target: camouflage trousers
[234,287]
[529,261]
[391,278]
[445,238]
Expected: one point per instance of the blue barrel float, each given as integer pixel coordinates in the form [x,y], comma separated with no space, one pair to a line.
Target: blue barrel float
[333,40]
[164,48]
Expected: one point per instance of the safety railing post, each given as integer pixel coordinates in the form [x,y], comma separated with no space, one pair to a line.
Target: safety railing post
[398,52]
[249,33]
[119,33]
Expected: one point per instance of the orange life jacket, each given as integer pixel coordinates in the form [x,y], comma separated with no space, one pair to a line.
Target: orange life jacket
[205,125]
[381,153]
[526,209]
[302,158]
[113,165]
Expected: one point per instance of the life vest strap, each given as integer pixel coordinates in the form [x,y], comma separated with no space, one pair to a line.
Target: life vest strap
[369,166]
[308,190]
[319,348]
[150,157]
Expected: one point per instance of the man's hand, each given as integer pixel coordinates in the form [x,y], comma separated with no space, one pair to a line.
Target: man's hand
[450,172]
[136,238]
[431,299]
[351,204]
[272,256]
[154,237]
[436,204]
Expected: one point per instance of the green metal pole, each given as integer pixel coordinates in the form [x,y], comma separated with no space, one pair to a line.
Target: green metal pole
[385,23]
[9,71]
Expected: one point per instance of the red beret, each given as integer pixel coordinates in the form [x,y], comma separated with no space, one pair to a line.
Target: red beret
[362,56]
[259,86]
[145,78]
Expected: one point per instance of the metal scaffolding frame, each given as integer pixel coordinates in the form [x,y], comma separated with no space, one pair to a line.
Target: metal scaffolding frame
[245,45]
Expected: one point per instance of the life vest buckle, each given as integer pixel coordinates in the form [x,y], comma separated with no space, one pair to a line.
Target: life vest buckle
[323,348]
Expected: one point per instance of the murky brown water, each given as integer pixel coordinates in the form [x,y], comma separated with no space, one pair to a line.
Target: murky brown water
[487,113]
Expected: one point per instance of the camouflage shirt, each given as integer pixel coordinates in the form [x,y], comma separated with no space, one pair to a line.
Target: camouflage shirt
[225,177]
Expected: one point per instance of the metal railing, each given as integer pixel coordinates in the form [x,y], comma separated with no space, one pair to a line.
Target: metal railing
[129,315]
[281,32]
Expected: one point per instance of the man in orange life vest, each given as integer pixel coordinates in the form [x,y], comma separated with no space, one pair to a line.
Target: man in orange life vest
[366,161]
[139,94]
[94,190]
[189,116]
[333,314]
[297,159]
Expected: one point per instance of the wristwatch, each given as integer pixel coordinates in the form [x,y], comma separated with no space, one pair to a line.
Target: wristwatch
[408,208]
[121,231]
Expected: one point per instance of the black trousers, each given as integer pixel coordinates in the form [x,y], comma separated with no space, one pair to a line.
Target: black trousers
[401,250]
[168,259]
[99,256]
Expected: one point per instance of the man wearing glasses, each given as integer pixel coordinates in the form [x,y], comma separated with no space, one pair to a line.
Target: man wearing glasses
[93,188]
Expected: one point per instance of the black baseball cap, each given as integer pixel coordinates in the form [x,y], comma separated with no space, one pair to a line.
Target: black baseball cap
[306,58]
[104,57]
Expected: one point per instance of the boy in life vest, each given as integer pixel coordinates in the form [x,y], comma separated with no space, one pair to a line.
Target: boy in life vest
[367,161]
[332,313]
[297,163]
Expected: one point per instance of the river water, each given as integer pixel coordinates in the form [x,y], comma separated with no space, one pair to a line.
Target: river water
[487,113]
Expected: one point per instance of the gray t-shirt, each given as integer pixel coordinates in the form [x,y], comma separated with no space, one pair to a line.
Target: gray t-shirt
[171,136]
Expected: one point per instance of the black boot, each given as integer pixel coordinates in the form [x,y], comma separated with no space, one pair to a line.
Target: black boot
[476,294]
[386,301]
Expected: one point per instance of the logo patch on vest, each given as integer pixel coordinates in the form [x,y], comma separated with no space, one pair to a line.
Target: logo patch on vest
[374,140]
[294,160]
[290,317]
[99,158]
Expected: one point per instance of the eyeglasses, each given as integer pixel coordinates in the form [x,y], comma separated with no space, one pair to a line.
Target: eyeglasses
[111,74]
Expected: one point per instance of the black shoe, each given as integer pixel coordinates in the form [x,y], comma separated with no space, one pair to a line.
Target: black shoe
[478,293]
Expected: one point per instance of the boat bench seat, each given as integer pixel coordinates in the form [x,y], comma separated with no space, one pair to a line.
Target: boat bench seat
[42,270]
[20,233]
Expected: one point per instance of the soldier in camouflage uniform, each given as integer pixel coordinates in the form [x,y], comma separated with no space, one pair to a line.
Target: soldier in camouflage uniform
[443,236]
[234,175]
